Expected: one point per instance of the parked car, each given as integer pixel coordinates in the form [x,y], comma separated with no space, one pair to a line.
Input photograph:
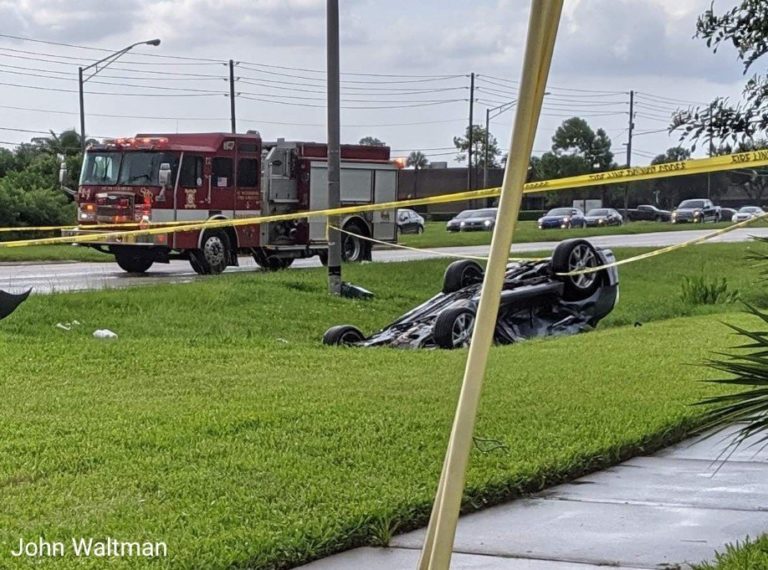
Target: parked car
[726,213]
[409,222]
[474,220]
[696,211]
[536,300]
[747,213]
[604,217]
[646,212]
[454,224]
[563,218]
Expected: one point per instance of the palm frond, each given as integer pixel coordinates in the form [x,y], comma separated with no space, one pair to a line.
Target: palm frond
[747,370]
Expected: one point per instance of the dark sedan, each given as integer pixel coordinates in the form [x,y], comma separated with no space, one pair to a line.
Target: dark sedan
[474,221]
[454,224]
[563,218]
[600,217]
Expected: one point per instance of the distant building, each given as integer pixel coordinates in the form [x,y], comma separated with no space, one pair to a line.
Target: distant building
[436,180]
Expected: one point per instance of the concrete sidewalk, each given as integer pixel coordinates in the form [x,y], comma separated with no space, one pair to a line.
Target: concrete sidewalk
[663,511]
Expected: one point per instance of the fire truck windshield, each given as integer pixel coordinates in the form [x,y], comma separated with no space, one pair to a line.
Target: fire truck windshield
[131,168]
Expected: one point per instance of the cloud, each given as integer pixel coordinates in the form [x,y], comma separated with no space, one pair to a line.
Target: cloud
[626,38]
[85,21]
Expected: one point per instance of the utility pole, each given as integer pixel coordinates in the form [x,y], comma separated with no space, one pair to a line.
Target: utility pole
[334,136]
[485,158]
[82,111]
[232,95]
[711,152]
[469,131]
[629,148]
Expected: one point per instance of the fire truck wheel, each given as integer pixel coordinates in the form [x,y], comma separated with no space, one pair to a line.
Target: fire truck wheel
[133,261]
[271,262]
[211,258]
[354,248]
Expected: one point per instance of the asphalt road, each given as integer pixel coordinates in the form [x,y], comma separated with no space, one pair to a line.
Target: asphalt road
[60,277]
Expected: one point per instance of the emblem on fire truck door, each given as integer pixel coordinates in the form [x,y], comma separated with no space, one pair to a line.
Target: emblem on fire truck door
[190,192]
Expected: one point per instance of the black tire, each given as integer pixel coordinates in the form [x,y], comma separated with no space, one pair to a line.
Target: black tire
[342,335]
[265,260]
[572,255]
[353,248]
[323,257]
[658,219]
[453,327]
[460,274]
[213,256]
[133,260]
[420,229]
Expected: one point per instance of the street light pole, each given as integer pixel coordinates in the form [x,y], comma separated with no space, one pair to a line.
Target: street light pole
[492,113]
[107,61]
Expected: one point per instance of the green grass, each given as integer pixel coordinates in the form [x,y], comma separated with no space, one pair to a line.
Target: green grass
[52,253]
[435,234]
[216,423]
[747,555]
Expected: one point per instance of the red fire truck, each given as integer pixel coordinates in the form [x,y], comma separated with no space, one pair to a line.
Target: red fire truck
[159,178]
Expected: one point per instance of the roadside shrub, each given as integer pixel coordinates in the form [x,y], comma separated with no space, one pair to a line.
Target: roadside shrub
[703,291]
[748,373]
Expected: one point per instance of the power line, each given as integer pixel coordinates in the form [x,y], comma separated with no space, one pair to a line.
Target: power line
[246,120]
[96,81]
[59,90]
[509,81]
[670,99]
[73,74]
[105,50]
[83,60]
[426,79]
[260,98]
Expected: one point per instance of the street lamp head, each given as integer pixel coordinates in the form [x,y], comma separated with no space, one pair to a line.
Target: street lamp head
[155,42]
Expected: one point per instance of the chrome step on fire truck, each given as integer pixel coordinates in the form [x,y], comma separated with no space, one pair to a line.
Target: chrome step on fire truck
[154,179]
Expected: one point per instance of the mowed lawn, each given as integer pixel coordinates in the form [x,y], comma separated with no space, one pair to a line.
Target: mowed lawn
[435,234]
[218,424]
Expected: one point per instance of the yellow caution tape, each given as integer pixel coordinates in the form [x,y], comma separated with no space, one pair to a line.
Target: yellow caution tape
[669,248]
[682,168]
[422,250]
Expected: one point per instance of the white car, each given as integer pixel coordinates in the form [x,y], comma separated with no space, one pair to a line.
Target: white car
[747,213]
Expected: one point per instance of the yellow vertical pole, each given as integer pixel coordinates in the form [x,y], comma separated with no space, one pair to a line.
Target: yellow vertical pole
[542,31]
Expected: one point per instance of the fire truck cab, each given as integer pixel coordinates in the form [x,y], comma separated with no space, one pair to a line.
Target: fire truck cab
[155,179]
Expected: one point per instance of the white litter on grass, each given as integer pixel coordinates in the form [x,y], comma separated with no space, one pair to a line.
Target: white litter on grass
[104,333]
[67,326]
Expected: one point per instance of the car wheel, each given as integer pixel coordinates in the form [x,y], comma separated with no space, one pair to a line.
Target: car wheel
[453,327]
[657,219]
[212,257]
[133,261]
[269,262]
[460,274]
[323,257]
[342,335]
[573,255]
[420,229]
[354,248]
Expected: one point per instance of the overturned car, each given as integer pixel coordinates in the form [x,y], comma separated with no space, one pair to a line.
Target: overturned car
[10,301]
[536,300]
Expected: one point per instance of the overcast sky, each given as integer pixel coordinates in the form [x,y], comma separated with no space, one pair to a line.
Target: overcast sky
[406,68]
